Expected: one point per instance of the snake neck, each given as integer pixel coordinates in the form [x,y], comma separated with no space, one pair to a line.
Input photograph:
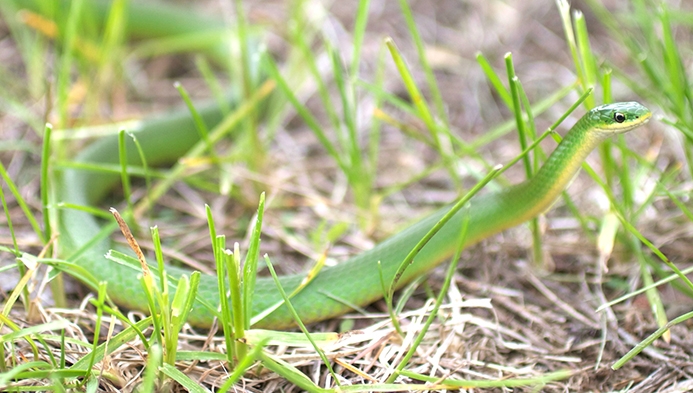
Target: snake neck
[493,213]
[562,166]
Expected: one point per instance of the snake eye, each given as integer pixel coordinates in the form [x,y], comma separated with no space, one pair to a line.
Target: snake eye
[619,117]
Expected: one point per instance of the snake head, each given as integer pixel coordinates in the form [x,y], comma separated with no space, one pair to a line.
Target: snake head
[619,117]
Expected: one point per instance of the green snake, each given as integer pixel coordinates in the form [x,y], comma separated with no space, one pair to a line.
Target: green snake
[355,281]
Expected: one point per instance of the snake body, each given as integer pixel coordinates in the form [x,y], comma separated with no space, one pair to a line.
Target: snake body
[355,281]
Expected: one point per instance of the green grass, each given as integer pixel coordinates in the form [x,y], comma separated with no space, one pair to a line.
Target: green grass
[662,80]
[339,82]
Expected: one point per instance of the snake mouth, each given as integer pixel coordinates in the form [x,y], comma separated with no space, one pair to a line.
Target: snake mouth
[644,118]
[637,122]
